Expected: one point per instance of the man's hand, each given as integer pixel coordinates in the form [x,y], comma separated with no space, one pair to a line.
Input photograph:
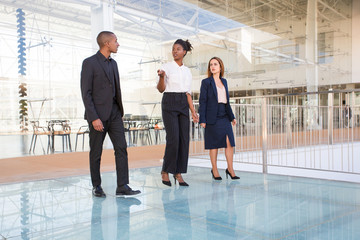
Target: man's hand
[98,126]
[203,125]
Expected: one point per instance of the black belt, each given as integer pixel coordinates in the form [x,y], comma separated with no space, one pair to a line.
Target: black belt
[174,93]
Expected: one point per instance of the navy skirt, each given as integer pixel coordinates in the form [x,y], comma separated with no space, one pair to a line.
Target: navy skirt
[215,134]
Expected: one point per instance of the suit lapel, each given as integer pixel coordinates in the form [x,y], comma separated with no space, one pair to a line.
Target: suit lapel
[226,88]
[116,72]
[116,78]
[104,67]
[212,82]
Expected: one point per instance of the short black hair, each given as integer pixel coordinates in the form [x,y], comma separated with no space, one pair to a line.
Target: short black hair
[102,37]
[186,45]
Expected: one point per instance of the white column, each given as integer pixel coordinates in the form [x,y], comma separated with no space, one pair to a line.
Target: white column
[311,56]
[355,22]
[101,20]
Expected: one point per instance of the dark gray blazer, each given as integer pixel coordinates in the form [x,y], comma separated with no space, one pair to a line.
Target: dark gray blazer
[208,101]
[97,90]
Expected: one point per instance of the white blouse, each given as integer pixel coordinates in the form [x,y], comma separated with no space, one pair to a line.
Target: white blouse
[177,78]
[221,95]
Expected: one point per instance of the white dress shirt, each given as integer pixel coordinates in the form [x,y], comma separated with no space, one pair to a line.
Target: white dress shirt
[177,78]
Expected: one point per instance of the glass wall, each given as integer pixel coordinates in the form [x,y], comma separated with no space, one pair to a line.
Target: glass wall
[268,47]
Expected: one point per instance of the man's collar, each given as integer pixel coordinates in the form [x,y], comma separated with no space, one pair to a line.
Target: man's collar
[103,57]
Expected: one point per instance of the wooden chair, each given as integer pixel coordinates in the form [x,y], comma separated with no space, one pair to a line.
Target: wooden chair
[82,131]
[38,130]
[142,131]
[157,126]
[157,132]
[60,128]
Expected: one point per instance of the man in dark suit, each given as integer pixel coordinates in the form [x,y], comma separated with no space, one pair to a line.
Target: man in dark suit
[101,94]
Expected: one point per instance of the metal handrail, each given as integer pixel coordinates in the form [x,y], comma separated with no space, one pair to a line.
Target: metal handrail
[286,127]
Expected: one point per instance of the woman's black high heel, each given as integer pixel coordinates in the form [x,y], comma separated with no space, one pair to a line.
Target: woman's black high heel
[215,178]
[184,184]
[167,183]
[232,177]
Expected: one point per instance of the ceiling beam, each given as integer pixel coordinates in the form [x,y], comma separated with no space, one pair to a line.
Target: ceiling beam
[123,10]
[332,9]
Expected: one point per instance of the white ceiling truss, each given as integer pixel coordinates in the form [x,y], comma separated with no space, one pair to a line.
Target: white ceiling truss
[171,19]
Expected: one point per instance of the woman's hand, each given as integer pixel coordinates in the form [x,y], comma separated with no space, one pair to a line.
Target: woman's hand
[195,117]
[203,125]
[161,84]
[161,73]
[233,122]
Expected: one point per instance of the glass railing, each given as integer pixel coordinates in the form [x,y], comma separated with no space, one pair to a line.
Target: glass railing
[295,130]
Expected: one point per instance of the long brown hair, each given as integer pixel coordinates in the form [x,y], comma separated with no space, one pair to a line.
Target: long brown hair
[221,67]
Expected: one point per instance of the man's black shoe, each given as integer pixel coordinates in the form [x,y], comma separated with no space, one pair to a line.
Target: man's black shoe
[98,191]
[126,190]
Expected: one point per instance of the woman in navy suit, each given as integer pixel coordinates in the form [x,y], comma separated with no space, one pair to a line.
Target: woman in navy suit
[216,117]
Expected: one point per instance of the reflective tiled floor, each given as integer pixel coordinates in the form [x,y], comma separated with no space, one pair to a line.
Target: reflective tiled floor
[256,207]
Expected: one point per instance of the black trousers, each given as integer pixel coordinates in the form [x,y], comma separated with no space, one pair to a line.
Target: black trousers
[115,128]
[175,114]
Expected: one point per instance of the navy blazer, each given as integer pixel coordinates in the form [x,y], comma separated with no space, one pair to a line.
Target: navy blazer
[97,89]
[208,101]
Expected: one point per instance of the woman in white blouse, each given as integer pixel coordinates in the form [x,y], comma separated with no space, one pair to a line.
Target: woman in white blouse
[216,117]
[175,81]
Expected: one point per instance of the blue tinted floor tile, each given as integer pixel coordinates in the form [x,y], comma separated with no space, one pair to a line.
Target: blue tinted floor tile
[258,206]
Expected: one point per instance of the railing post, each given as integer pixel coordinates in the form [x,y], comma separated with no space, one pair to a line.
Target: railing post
[288,128]
[330,116]
[352,107]
[264,134]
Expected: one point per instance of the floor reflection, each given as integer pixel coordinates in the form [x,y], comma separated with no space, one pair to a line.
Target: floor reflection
[123,212]
[96,216]
[256,207]
[172,198]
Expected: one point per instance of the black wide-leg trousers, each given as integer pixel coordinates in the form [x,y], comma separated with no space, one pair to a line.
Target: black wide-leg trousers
[175,114]
[115,128]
